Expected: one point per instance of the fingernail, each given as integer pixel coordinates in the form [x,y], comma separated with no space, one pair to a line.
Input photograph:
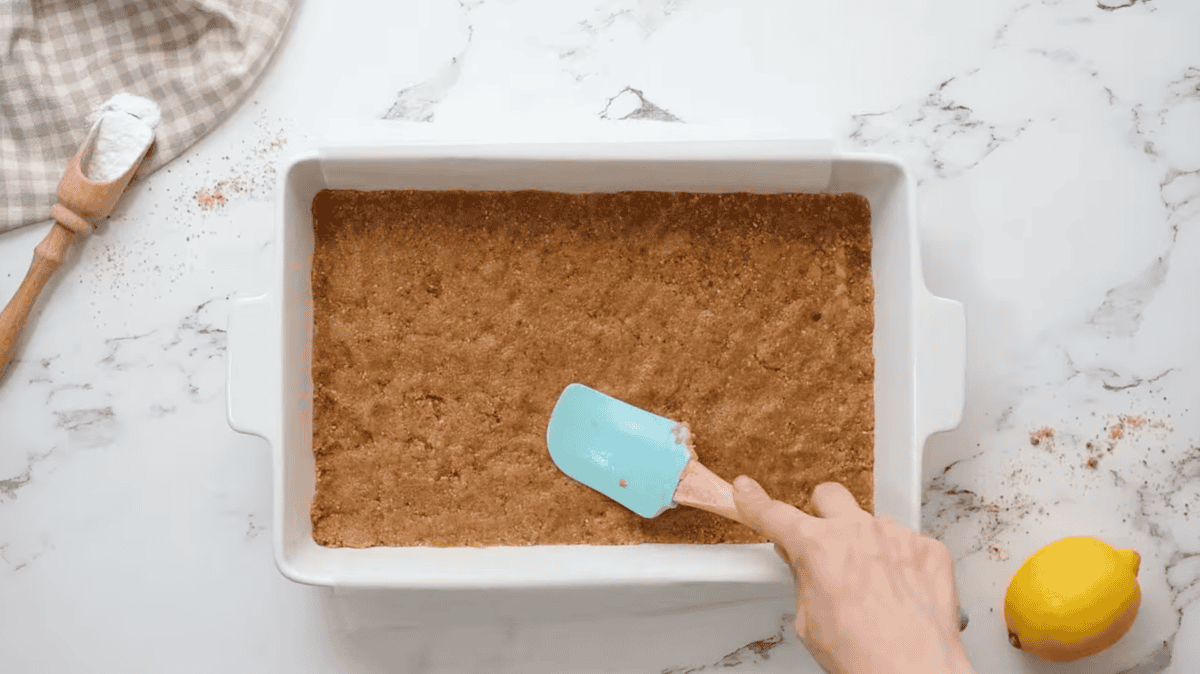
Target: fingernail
[743,483]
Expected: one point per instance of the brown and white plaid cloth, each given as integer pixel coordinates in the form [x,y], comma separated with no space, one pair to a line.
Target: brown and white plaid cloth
[59,59]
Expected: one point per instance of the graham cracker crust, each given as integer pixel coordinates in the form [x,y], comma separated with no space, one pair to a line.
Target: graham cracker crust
[447,323]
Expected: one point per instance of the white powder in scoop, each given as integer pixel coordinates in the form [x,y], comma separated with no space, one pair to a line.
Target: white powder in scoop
[124,129]
[142,108]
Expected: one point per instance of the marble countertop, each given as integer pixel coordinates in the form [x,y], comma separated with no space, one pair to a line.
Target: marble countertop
[1057,143]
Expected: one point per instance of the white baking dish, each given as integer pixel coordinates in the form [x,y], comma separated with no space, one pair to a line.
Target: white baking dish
[919,351]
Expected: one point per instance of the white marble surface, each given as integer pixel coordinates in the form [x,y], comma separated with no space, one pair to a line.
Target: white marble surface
[1058,147]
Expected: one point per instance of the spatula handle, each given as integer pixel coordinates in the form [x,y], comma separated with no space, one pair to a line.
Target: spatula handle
[701,488]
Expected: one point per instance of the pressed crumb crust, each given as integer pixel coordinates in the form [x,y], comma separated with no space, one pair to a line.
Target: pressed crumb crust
[447,324]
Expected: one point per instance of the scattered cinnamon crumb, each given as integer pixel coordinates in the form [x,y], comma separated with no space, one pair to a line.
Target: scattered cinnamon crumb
[763,646]
[1134,421]
[1092,462]
[1038,436]
[1117,431]
[272,146]
[210,200]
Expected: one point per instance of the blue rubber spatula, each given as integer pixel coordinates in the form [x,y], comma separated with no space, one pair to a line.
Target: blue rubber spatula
[641,460]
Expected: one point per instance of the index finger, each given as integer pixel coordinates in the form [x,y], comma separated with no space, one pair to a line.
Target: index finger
[782,523]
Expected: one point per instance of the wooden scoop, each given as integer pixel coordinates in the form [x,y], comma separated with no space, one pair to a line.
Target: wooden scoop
[81,201]
[641,460]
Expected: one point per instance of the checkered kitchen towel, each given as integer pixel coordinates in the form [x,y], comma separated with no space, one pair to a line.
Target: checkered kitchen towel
[59,59]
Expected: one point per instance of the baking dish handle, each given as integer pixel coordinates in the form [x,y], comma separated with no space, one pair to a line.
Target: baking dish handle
[941,349]
[249,364]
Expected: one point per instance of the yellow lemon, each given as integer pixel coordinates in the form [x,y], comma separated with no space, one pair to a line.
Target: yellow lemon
[1072,598]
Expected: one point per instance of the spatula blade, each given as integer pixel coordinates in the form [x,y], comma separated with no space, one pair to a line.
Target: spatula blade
[632,456]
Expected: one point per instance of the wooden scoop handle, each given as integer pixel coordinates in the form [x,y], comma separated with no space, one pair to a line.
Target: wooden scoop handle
[46,258]
[701,488]
[80,201]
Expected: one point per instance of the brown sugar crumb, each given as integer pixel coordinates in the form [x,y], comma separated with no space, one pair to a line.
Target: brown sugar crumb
[447,323]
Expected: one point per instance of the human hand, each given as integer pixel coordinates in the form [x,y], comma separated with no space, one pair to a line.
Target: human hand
[874,596]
